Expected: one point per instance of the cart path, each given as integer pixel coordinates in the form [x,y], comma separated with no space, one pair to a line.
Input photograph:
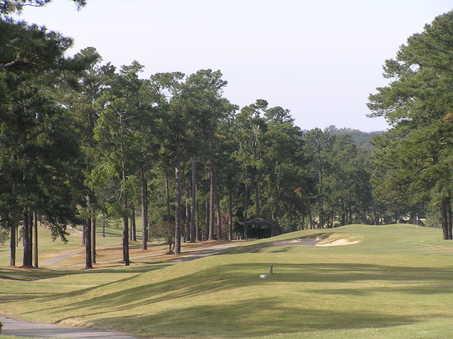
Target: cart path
[23,328]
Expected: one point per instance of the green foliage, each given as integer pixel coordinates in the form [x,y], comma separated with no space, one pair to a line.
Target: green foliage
[413,160]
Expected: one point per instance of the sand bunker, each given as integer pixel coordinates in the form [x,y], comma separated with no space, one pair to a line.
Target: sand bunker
[322,240]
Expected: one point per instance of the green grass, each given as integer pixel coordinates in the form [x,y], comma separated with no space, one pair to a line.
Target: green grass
[396,283]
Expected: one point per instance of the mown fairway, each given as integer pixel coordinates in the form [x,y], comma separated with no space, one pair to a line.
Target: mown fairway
[396,283]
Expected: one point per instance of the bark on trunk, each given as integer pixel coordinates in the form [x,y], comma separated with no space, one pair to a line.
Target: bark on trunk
[27,257]
[88,253]
[219,219]
[211,203]
[193,219]
[144,202]
[93,238]
[12,245]
[230,215]
[126,240]
[177,211]
[133,225]
[35,242]
[170,230]
[446,227]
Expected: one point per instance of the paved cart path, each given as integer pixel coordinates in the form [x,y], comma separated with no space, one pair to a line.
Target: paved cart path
[23,328]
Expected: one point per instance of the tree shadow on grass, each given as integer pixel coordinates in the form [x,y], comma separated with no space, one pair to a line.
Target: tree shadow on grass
[226,277]
[253,317]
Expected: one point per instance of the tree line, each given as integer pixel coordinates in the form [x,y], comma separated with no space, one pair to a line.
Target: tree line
[84,142]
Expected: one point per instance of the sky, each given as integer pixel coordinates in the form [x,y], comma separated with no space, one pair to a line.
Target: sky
[319,58]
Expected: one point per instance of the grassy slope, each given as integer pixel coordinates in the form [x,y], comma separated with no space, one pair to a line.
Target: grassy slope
[396,283]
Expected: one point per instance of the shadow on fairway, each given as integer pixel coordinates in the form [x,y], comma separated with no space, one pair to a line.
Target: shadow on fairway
[246,275]
[253,317]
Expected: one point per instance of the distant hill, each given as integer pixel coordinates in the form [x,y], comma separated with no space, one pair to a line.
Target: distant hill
[361,139]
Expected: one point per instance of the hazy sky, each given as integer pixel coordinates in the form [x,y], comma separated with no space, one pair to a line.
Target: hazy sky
[318,58]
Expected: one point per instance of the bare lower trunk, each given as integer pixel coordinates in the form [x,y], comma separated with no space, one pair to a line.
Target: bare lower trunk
[93,238]
[170,229]
[230,215]
[126,239]
[219,219]
[144,202]
[133,225]
[211,203]
[88,253]
[35,241]
[445,218]
[104,222]
[177,212]
[12,244]
[193,219]
[27,257]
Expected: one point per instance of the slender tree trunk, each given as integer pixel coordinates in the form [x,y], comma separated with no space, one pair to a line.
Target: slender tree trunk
[219,219]
[104,222]
[133,225]
[178,211]
[126,240]
[35,242]
[12,244]
[449,215]
[445,207]
[230,215]
[126,260]
[187,233]
[88,236]
[170,226]
[93,237]
[83,235]
[88,253]
[193,219]
[30,236]
[211,202]
[27,257]
[144,201]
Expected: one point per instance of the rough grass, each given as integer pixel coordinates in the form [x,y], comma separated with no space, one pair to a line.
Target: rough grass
[396,283]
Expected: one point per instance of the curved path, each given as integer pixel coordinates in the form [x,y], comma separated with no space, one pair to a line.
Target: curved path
[21,328]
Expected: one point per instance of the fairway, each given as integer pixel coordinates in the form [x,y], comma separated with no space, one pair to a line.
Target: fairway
[395,282]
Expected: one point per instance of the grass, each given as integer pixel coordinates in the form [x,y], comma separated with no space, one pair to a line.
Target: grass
[396,283]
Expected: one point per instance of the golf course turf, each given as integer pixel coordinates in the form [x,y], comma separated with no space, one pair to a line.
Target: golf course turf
[393,281]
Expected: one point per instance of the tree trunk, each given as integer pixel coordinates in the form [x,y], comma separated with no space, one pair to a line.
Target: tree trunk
[133,225]
[144,197]
[88,236]
[230,215]
[126,239]
[35,242]
[170,231]
[449,219]
[187,221]
[27,257]
[104,222]
[219,219]
[211,202]
[88,253]
[12,244]
[93,237]
[445,206]
[193,219]
[177,211]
